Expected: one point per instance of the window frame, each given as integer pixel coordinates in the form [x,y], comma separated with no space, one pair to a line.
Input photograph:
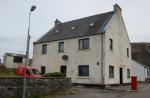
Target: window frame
[128,73]
[82,74]
[18,59]
[83,45]
[59,47]
[111,74]
[111,44]
[127,52]
[44,49]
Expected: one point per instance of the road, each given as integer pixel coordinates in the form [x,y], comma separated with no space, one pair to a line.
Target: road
[83,92]
[144,94]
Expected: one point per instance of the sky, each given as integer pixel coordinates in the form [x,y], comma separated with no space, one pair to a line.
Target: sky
[14,19]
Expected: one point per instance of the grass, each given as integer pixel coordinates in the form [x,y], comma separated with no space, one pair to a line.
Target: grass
[8,74]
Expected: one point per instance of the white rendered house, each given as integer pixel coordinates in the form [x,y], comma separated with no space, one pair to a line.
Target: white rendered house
[91,50]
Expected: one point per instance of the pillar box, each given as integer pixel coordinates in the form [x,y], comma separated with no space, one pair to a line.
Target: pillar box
[133,83]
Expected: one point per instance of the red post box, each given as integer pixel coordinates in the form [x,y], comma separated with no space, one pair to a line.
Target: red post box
[133,83]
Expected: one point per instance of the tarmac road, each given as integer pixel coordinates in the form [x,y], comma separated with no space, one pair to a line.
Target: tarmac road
[83,92]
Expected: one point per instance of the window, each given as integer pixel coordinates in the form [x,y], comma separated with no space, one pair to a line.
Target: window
[17,59]
[111,71]
[57,31]
[61,46]
[128,73]
[127,52]
[44,49]
[73,27]
[83,70]
[84,43]
[111,44]
[91,25]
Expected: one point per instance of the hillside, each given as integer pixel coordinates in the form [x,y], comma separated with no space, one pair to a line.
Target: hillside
[141,53]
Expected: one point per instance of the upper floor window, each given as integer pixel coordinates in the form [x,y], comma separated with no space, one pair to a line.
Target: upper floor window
[61,46]
[111,71]
[84,43]
[127,52]
[111,44]
[83,70]
[44,49]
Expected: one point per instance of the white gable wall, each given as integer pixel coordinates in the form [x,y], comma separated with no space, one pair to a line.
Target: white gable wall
[118,57]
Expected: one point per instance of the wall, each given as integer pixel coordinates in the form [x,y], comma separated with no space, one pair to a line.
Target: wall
[139,71]
[118,56]
[53,59]
[35,86]
[9,62]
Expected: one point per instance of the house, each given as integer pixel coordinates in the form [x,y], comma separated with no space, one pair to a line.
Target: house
[12,60]
[139,70]
[91,50]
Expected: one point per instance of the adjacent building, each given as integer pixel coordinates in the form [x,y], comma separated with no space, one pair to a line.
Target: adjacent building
[90,50]
[140,71]
[12,60]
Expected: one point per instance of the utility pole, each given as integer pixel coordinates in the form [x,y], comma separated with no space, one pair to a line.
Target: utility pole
[27,53]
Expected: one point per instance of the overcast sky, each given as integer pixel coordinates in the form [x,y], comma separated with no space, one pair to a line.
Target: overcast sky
[14,18]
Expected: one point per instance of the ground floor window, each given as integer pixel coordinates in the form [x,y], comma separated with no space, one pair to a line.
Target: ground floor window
[128,73]
[111,71]
[83,70]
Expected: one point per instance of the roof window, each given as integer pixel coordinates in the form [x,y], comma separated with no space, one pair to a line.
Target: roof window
[73,27]
[91,25]
[56,31]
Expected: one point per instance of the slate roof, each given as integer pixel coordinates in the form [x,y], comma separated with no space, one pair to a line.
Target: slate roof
[80,28]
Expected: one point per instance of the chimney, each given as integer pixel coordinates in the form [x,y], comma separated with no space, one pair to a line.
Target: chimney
[117,8]
[57,22]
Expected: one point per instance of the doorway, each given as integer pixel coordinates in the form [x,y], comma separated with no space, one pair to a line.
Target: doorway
[121,75]
[43,69]
[63,70]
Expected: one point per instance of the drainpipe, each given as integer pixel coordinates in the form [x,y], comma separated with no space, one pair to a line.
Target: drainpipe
[102,59]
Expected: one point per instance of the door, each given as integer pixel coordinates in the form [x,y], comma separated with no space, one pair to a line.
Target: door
[63,70]
[121,75]
[43,68]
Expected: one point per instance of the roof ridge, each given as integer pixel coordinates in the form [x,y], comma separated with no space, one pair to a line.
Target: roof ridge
[87,17]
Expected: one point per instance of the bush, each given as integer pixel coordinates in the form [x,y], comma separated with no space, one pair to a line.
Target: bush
[54,74]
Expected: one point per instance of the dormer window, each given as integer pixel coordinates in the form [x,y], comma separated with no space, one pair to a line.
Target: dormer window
[73,28]
[56,31]
[91,25]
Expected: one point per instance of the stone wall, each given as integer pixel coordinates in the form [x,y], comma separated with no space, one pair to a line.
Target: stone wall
[35,86]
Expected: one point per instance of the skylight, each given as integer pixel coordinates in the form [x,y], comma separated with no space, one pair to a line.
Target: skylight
[56,31]
[91,25]
[73,28]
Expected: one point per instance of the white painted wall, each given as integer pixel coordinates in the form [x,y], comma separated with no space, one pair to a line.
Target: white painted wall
[53,59]
[139,71]
[9,63]
[118,57]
